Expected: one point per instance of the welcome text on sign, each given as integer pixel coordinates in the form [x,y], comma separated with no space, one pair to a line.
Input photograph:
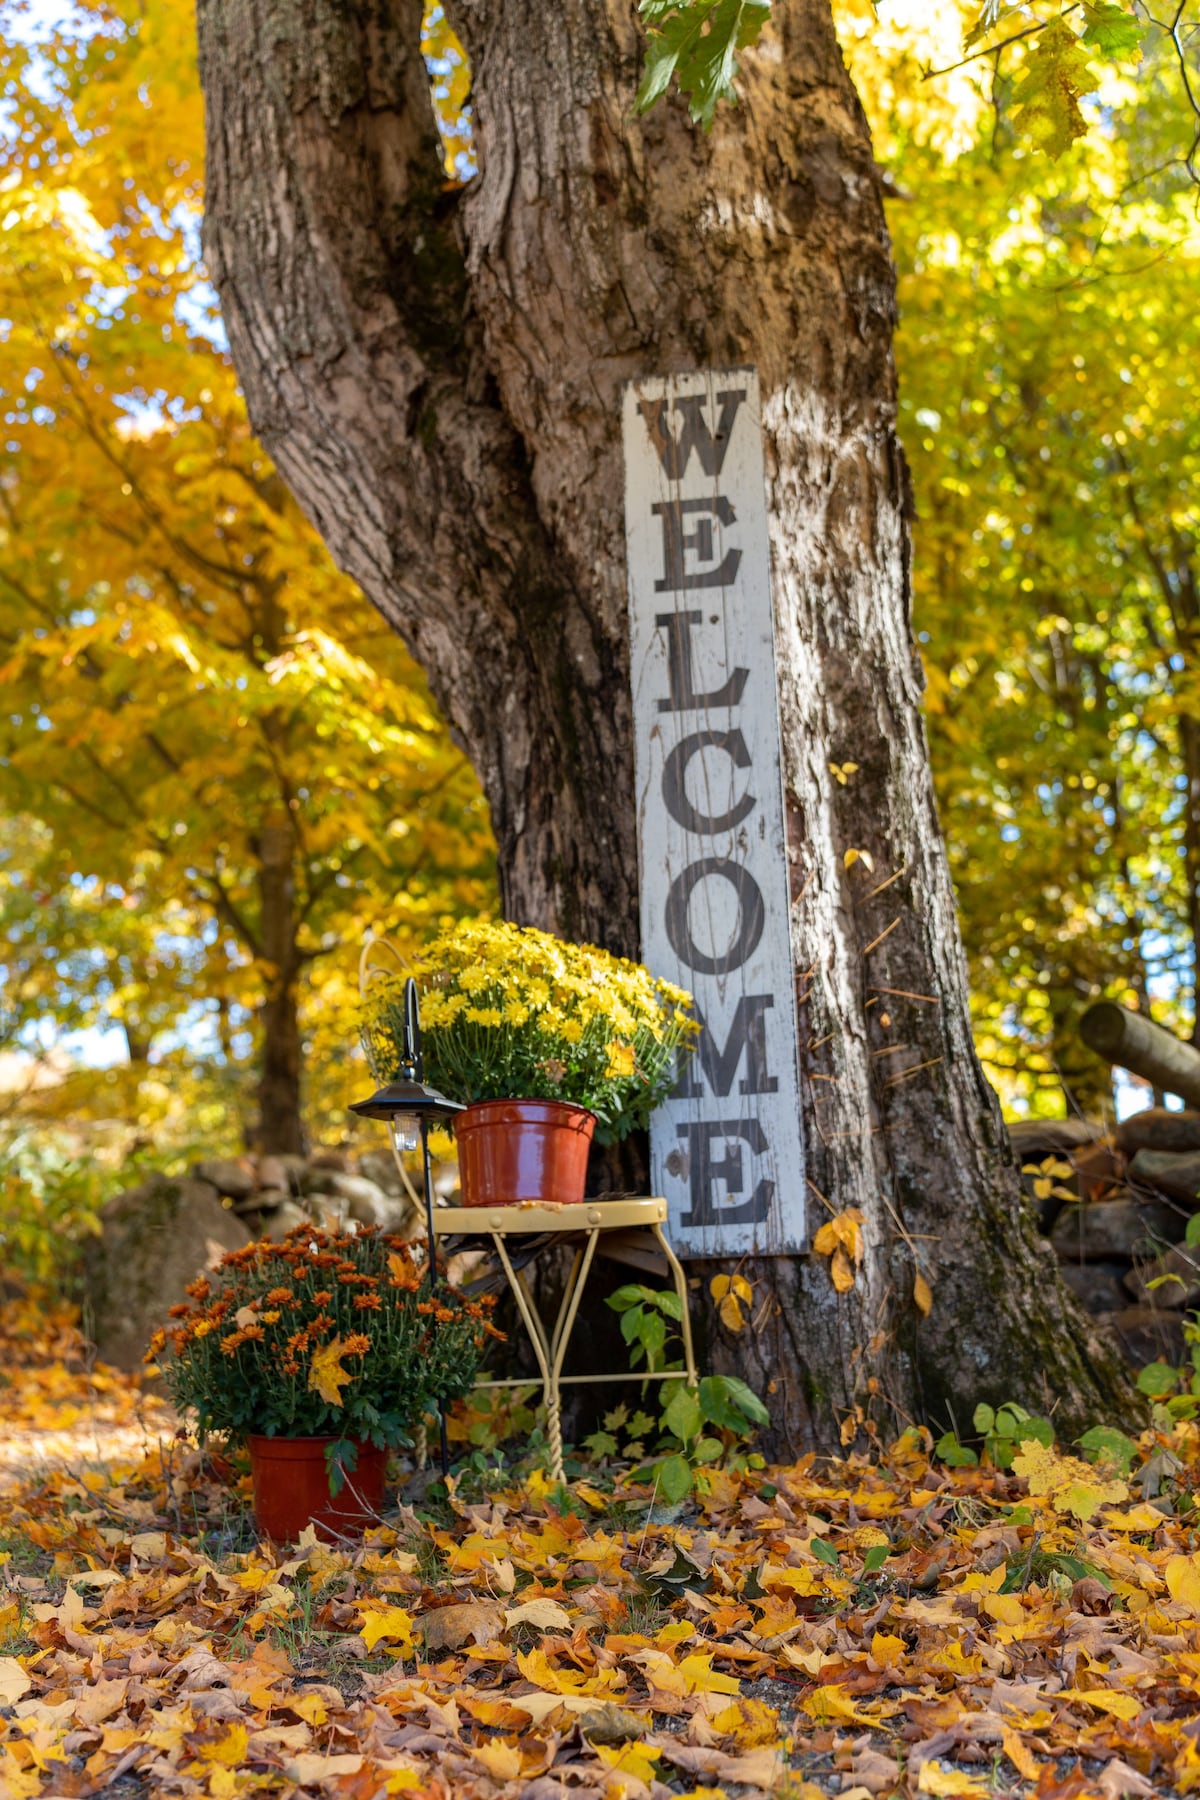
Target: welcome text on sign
[726,1149]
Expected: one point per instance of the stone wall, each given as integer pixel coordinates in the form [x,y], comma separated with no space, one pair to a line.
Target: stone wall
[160,1235]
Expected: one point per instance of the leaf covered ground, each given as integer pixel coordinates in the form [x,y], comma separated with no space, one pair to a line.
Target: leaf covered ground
[863,1627]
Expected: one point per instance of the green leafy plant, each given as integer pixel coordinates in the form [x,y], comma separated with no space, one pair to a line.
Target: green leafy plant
[1006,1429]
[644,1314]
[49,1207]
[1175,1392]
[699,1426]
[1003,1430]
[332,1334]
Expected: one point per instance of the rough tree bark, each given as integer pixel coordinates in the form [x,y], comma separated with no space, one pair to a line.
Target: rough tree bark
[438,372]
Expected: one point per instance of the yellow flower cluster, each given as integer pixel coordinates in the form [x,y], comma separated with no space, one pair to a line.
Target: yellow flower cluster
[492,974]
[510,1012]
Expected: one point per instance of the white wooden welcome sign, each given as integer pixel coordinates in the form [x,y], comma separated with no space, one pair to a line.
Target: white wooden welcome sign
[726,1148]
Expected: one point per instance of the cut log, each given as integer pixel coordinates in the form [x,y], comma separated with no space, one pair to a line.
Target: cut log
[1157,1128]
[1136,1043]
[1169,1172]
[1032,1138]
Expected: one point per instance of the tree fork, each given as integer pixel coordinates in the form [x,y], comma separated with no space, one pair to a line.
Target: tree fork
[438,377]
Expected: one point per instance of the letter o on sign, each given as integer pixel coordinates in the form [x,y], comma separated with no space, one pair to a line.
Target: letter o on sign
[751,915]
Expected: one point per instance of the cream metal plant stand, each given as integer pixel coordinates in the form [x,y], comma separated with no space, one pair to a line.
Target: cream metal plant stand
[586,1224]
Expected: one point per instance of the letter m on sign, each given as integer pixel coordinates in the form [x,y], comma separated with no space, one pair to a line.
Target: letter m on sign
[726,1148]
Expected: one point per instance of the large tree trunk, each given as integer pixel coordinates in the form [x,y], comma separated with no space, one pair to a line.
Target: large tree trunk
[438,376]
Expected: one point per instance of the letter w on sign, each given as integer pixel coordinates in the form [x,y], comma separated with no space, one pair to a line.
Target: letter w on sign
[726,1148]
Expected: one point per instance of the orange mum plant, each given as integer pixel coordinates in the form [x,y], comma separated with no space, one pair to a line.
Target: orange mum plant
[321,1334]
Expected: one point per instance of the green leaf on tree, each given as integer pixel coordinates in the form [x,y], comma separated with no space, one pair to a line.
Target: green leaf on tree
[696,42]
[1047,97]
[1112,31]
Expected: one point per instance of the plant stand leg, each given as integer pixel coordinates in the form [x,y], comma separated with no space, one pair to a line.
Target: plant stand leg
[564,1325]
[541,1349]
[685,1322]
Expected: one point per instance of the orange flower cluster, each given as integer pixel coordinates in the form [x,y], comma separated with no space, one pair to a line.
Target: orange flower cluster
[242,1347]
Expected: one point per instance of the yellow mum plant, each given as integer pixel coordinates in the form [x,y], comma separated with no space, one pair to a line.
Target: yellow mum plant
[509,1013]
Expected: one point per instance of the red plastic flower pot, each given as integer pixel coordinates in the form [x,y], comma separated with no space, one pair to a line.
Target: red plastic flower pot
[291,1488]
[523,1150]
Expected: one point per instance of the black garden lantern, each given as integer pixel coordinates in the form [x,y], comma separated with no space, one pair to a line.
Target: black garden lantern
[407,1106]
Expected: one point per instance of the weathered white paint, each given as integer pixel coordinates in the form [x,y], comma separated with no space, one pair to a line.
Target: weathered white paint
[726,1149]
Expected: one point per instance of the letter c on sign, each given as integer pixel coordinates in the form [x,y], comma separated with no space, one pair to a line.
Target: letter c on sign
[750,921]
[675,782]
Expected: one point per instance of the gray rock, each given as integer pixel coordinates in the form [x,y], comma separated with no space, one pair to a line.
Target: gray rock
[153,1240]
[1181,1288]
[1171,1172]
[1107,1229]
[284,1219]
[1098,1286]
[1159,1128]
[355,1187]
[316,1179]
[379,1166]
[329,1211]
[281,1172]
[235,1176]
[330,1159]
[264,1200]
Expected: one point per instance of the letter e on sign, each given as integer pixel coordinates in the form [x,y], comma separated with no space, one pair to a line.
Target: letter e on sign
[726,1148]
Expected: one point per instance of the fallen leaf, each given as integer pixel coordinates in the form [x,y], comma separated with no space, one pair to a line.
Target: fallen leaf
[935,1780]
[314,1767]
[449,1627]
[326,1375]
[13,1681]
[546,1615]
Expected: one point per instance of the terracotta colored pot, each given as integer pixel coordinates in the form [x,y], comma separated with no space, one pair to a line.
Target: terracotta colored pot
[510,1150]
[291,1488]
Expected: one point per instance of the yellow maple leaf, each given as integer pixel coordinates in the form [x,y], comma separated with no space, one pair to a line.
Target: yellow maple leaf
[935,1780]
[390,1623]
[1119,1702]
[326,1375]
[1072,1486]
[841,1240]
[886,1649]
[731,1314]
[501,1760]
[230,1749]
[1182,1576]
[1019,1755]
[637,1759]
[13,1681]
[830,1704]
[1006,1609]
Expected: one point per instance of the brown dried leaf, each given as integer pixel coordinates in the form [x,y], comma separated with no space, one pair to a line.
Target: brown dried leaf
[470,1621]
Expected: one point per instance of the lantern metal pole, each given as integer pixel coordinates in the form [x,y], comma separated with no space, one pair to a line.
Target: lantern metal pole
[433,1270]
[416,1062]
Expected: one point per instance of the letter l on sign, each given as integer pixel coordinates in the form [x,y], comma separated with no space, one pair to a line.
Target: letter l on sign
[726,1148]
